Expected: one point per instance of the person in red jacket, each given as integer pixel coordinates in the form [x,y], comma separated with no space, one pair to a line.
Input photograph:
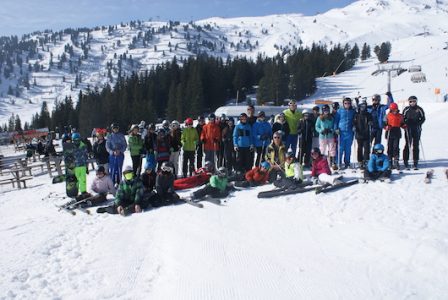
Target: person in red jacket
[320,170]
[394,121]
[256,176]
[210,138]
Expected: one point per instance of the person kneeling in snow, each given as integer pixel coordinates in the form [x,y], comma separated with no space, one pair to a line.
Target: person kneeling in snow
[378,165]
[293,173]
[320,171]
[129,197]
[255,177]
[217,187]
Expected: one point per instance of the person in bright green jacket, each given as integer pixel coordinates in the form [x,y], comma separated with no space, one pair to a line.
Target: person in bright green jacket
[216,188]
[189,139]
[135,144]
[292,116]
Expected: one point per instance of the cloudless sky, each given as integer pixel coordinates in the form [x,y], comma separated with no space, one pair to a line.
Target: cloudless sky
[25,16]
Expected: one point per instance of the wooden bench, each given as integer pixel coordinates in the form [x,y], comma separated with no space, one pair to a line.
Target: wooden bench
[13,181]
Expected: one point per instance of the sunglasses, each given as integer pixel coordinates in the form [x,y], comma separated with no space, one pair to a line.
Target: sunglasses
[346,103]
[412,101]
[276,137]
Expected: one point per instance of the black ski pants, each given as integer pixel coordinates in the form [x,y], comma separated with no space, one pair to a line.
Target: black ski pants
[188,163]
[244,159]
[363,150]
[412,136]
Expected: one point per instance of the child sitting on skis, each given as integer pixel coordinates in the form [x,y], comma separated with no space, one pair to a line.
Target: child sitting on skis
[320,171]
[378,165]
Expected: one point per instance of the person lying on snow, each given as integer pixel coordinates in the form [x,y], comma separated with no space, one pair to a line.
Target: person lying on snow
[200,177]
[216,188]
[320,171]
[378,165]
[293,175]
[255,177]
[129,197]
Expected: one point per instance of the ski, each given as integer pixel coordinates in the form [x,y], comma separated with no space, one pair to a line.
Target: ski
[335,187]
[429,175]
[191,202]
[213,200]
[284,192]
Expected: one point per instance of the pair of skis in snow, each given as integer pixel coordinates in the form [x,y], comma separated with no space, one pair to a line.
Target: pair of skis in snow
[74,205]
[305,188]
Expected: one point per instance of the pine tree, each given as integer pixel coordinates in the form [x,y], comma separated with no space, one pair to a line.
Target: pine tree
[365,52]
[384,52]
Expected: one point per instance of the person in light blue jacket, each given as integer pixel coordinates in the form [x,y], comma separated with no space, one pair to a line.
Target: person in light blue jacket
[262,132]
[243,143]
[324,126]
[378,165]
[116,146]
[343,125]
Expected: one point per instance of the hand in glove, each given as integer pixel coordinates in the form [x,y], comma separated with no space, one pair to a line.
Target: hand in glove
[252,149]
[389,94]
[236,148]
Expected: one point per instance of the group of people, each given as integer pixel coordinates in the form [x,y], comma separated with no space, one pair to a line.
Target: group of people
[254,150]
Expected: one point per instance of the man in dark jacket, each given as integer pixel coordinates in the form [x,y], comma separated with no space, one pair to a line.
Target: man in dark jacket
[306,131]
[199,150]
[378,112]
[414,117]
[363,124]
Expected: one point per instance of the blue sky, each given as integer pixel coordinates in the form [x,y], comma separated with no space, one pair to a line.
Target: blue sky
[24,16]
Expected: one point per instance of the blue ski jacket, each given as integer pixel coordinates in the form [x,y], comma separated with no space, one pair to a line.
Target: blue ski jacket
[262,132]
[242,135]
[378,163]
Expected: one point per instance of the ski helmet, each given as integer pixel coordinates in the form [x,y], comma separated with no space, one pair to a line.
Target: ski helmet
[306,111]
[315,150]
[209,166]
[167,167]
[289,154]
[326,108]
[261,114]
[175,124]
[243,115]
[223,117]
[412,98]
[376,97]
[265,165]
[222,172]
[76,137]
[378,149]
[393,106]
[189,121]
[316,108]
[335,105]
[114,125]
[212,116]
[166,123]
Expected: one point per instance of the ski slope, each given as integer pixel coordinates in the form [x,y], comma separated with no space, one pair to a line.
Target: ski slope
[368,241]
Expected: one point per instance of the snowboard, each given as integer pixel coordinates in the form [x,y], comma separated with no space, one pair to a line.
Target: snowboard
[71,183]
[335,187]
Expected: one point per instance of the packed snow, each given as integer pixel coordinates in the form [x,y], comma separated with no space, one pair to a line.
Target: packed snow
[367,241]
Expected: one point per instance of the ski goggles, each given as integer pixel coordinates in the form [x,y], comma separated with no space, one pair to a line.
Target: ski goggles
[128,176]
[166,169]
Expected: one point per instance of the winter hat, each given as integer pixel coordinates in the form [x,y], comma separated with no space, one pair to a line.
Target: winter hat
[393,106]
[100,169]
[189,121]
[76,136]
[142,124]
[265,165]
[412,98]
[133,126]
[127,169]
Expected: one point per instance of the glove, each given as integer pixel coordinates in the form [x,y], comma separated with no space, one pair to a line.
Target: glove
[387,128]
[252,149]
[315,180]
[404,126]
[389,94]
[236,149]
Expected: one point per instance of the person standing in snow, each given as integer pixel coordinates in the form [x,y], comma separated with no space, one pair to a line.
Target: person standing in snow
[211,137]
[363,124]
[262,133]
[176,145]
[414,117]
[243,144]
[116,145]
[199,150]
[189,141]
[343,124]
[324,126]
[227,141]
[280,124]
[100,152]
[80,155]
[394,121]
[378,112]
[292,116]
[135,143]
[306,130]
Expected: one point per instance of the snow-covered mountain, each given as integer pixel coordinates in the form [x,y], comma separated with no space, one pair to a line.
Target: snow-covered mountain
[92,58]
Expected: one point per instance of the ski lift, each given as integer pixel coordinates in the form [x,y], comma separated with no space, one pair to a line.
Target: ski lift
[418,77]
[415,69]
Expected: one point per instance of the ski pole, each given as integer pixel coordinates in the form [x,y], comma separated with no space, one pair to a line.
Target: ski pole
[423,152]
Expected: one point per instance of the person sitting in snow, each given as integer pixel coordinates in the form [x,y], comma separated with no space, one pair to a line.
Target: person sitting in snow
[129,197]
[378,165]
[320,171]
[293,172]
[200,176]
[217,187]
[165,186]
[101,186]
[256,176]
